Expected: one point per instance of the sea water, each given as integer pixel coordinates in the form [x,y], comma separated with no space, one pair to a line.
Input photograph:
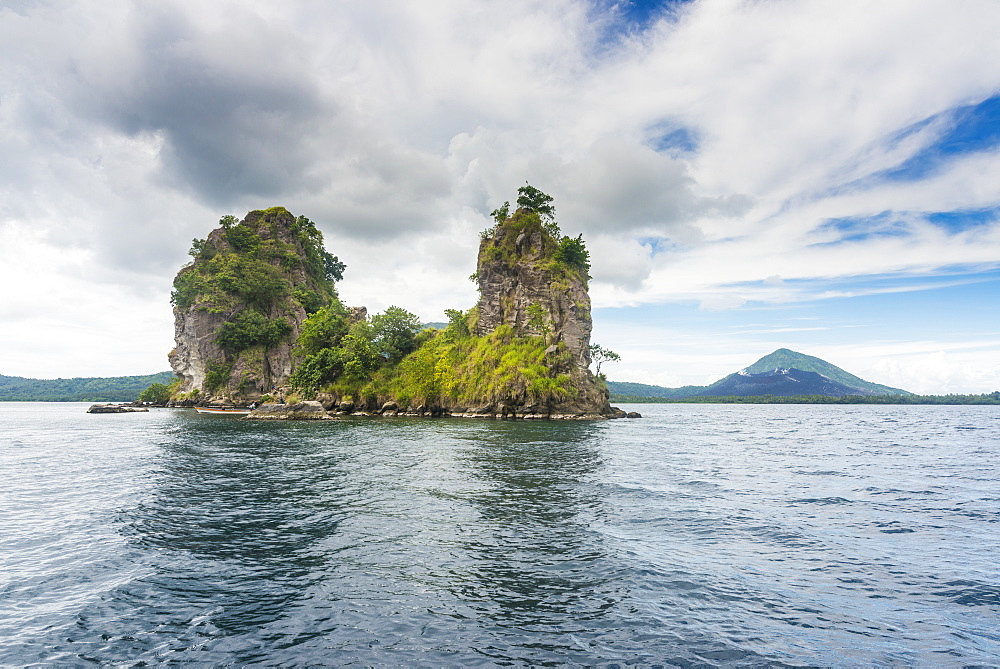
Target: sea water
[698,535]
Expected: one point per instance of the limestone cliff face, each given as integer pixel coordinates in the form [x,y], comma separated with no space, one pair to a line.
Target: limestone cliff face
[239,306]
[523,282]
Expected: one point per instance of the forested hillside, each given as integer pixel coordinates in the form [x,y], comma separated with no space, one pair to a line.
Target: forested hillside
[109,389]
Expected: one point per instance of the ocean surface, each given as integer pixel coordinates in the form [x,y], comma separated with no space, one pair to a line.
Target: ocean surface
[700,535]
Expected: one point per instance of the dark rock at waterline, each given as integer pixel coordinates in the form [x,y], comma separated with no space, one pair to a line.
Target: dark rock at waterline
[115,408]
[308,410]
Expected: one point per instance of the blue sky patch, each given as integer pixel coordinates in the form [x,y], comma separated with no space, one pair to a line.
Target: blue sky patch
[861,228]
[964,219]
[659,245]
[968,129]
[632,16]
[641,13]
[668,138]
[944,307]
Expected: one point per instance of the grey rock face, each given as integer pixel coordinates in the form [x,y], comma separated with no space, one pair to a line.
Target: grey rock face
[300,411]
[524,285]
[115,408]
[252,372]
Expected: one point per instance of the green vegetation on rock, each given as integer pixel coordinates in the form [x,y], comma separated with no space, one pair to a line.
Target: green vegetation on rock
[247,275]
[240,302]
[250,328]
[600,355]
[159,393]
[562,256]
[248,265]
[388,357]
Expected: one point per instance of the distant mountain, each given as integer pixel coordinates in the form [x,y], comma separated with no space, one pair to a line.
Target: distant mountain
[782,373]
[781,382]
[92,389]
[784,358]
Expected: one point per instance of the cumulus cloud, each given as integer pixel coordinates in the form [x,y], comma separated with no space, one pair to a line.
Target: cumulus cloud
[701,151]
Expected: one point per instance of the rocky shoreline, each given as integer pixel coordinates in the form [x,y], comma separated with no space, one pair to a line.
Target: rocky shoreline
[116,408]
[314,410]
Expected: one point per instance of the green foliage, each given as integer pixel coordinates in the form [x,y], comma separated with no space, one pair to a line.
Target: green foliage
[251,328]
[574,252]
[317,370]
[90,389]
[310,300]
[394,332]
[256,282]
[458,322]
[359,355]
[333,268]
[320,263]
[387,357]
[201,249]
[187,286]
[529,197]
[336,351]
[504,247]
[536,318]
[193,394]
[600,355]
[243,238]
[501,214]
[156,393]
[258,266]
[497,368]
[535,214]
[323,329]
[216,375]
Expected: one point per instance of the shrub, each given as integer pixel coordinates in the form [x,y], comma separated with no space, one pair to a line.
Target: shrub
[394,332]
[216,375]
[324,328]
[157,393]
[573,252]
[251,328]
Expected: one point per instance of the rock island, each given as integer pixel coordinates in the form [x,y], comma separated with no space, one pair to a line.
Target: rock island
[258,320]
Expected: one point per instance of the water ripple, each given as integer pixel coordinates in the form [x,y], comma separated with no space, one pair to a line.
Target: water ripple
[698,536]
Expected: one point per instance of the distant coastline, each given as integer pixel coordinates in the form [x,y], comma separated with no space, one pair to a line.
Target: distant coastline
[80,389]
[985,398]
[127,389]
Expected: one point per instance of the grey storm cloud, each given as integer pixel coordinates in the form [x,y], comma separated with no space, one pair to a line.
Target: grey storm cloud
[233,122]
[621,187]
[163,118]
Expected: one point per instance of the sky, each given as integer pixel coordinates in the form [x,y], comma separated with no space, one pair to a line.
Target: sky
[747,174]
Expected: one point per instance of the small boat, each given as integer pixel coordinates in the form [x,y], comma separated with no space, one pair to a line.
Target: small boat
[219,411]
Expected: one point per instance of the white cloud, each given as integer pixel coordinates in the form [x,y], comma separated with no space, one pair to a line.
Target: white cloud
[924,367]
[130,128]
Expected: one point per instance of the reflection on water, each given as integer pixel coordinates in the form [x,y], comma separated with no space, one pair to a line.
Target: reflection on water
[700,535]
[533,557]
